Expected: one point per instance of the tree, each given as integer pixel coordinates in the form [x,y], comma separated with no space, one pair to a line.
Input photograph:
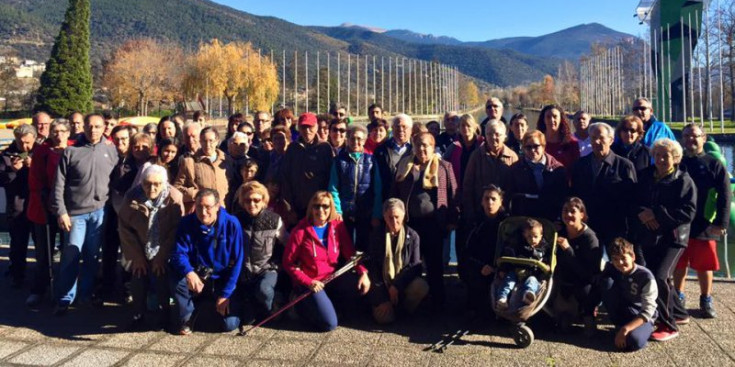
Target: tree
[547,90]
[232,70]
[469,94]
[66,84]
[144,70]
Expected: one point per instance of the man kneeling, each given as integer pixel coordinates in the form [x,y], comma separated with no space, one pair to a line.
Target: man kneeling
[206,261]
[395,265]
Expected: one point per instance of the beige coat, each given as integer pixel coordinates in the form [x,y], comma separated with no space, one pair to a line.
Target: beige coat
[196,173]
[133,226]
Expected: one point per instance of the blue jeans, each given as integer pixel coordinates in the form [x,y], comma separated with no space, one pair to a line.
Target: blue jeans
[187,302]
[259,293]
[621,313]
[82,242]
[531,284]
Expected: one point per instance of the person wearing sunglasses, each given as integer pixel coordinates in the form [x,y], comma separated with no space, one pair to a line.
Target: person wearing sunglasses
[265,234]
[538,183]
[312,254]
[629,142]
[337,135]
[654,129]
[494,110]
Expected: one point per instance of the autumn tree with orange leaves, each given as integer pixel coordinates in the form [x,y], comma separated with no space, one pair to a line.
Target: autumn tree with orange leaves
[144,70]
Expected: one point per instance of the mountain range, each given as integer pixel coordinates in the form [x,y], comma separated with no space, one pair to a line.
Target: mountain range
[28,28]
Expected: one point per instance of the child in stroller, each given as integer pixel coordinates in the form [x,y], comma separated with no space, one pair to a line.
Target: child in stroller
[533,246]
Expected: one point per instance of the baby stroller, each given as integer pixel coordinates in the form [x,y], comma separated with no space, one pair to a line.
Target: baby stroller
[518,312]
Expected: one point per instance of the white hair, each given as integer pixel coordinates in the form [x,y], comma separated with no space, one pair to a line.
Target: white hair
[238,134]
[599,126]
[495,125]
[403,117]
[155,169]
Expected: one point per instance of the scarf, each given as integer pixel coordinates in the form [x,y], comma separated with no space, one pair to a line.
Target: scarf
[153,242]
[393,261]
[657,177]
[431,172]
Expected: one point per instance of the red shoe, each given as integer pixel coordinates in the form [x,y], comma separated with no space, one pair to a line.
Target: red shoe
[664,333]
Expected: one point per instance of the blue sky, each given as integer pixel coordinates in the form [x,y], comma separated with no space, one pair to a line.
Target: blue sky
[466,20]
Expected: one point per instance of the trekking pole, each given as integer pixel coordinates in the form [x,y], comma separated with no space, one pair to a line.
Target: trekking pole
[354,261]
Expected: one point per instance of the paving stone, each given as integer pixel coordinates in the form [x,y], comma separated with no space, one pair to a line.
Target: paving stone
[131,340]
[655,354]
[9,347]
[23,333]
[237,346]
[398,357]
[270,363]
[211,361]
[180,344]
[96,358]
[151,359]
[287,349]
[349,335]
[46,354]
[343,353]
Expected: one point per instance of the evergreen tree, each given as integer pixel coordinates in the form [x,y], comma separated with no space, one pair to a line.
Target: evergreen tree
[66,85]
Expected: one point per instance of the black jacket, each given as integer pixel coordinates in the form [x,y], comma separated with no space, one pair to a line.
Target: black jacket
[708,173]
[482,242]
[638,154]
[304,171]
[580,263]
[411,257]
[606,193]
[673,200]
[15,183]
[386,171]
[526,198]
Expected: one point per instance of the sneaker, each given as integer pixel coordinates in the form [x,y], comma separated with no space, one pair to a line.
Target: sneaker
[185,328]
[502,304]
[707,306]
[682,299]
[683,321]
[529,297]
[664,333]
[33,300]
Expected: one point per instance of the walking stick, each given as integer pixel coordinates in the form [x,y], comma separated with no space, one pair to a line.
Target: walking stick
[354,261]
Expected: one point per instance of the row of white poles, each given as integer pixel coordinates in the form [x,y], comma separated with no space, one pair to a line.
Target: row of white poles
[399,84]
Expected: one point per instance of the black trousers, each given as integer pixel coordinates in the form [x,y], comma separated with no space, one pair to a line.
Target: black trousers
[19,228]
[45,240]
[431,237]
[110,248]
[661,260]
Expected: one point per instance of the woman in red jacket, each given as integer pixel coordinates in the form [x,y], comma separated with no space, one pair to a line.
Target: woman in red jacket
[311,255]
[41,176]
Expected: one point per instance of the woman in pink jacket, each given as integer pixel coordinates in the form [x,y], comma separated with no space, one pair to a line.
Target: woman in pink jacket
[311,255]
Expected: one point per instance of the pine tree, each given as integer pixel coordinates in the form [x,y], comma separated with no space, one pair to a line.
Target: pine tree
[66,85]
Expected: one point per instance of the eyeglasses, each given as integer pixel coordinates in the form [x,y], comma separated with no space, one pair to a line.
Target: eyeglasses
[321,206]
[531,146]
[493,106]
[341,131]
[640,108]
[253,200]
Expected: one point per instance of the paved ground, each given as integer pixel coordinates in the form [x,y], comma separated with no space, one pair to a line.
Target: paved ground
[96,337]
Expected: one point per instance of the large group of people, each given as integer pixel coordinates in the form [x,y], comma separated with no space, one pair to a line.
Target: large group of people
[236,223]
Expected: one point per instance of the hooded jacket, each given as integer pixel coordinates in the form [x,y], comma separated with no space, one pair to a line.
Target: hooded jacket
[306,259]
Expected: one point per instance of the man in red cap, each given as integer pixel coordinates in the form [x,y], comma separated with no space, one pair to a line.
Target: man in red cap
[306,165]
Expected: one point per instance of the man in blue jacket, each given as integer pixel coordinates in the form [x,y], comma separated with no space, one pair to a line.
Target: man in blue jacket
[654,129]
[206,261]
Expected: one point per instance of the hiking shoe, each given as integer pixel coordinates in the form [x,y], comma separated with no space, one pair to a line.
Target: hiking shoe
[501,304]
[707,306]
[682,299]
[664,333]
[185,328]
[529,297]
[33,300]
